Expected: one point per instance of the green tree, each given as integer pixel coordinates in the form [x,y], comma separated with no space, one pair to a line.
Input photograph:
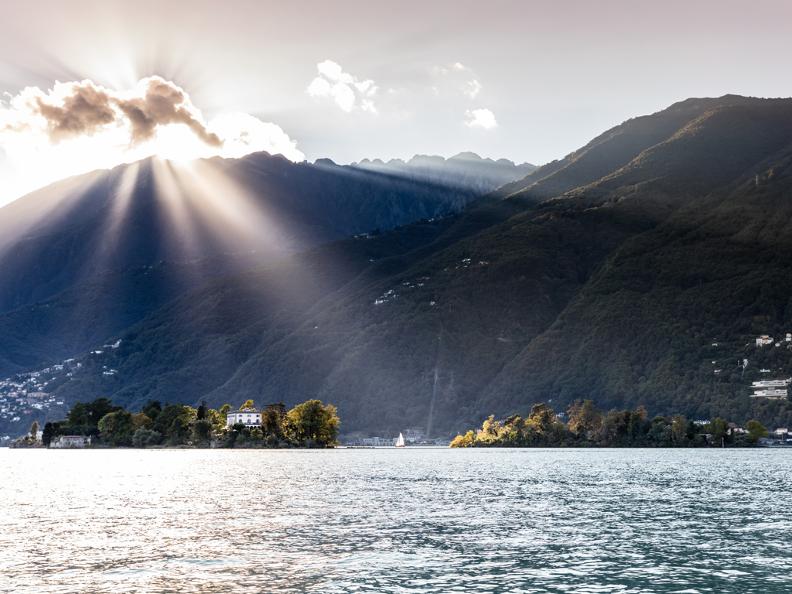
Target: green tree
[202,411]
[679,430]
[756,430]
[273,418]
[247,404]
[225,409]
[117,428]
[34,429]
[718,428]
[313,423]
[146,437]
[50,431]
[84,417]
[584,419]
[174,423]
[217,419]
[152,409]
[202,431]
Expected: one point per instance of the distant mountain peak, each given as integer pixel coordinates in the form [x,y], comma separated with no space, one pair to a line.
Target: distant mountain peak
[466,170]
[467,156]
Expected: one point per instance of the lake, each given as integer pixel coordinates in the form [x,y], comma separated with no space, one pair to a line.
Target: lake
[387,520]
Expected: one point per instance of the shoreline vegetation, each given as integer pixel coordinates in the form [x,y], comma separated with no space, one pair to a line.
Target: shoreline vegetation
[587,426]
[100,424]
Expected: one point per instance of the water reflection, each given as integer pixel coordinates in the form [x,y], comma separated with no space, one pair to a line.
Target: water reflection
[395,521]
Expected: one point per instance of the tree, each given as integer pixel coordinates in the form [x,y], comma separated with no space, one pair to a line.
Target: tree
[50,431]
[718,428]
[202,411]
[84,417]
[34,428]
[272,420]
[202,431]
[584,419]
[248,404]
[146,437]
[152,409]
[464,441]
[117,428]
[174,423]
[217,419]
[756,430]
[225,409]
[141,420]
[313,423]
[679,430]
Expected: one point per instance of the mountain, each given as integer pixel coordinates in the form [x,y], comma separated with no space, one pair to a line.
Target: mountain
[637,270]
[465,170]
[85,258]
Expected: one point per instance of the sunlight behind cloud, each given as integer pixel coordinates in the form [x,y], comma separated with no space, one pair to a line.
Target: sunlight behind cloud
[76,127]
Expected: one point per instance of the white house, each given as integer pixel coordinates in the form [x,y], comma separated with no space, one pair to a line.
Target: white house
[772,389]
[249,417]
[763,340]
[70,441]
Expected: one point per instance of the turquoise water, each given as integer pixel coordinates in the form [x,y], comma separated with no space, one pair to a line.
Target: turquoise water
[413,520]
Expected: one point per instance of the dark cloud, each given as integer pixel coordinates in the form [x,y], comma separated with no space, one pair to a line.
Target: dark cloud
[83,112]
[88,108]
[163,103]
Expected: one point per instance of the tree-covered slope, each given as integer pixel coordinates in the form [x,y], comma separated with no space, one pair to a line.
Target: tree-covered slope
[616,288]
[87,257]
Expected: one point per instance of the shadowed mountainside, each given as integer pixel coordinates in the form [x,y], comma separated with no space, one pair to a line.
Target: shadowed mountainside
[87,257]
[636,271]
[661,237]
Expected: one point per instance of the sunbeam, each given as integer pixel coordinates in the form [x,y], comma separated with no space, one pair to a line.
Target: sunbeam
[80,126]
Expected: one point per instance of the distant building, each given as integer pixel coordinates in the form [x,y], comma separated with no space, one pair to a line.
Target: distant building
[249,417]
[377,442]
[414,435]
[764,340]
[775,389]
[71,441]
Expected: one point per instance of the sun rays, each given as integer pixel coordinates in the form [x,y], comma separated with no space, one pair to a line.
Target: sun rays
[79,126]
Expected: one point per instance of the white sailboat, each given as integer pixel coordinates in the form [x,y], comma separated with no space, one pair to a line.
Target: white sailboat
[400,441]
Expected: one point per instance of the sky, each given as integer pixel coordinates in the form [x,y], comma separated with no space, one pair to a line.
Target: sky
[525,80]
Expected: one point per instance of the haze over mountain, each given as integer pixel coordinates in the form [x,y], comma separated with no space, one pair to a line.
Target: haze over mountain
[609,274]
[111,246]
[464,170]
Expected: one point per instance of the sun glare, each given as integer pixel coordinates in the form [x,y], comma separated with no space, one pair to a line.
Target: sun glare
[77,127]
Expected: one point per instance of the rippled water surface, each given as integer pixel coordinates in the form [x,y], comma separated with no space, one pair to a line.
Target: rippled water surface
[413,520]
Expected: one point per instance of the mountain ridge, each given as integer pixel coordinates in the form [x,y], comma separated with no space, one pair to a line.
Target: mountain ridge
[608,275]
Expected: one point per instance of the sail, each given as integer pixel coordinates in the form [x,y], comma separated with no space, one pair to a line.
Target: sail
[400,441]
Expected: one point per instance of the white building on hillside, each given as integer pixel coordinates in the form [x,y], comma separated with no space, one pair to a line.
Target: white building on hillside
[771,389]
[249,417]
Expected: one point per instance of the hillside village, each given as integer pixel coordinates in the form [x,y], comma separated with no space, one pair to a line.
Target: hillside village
[33,395]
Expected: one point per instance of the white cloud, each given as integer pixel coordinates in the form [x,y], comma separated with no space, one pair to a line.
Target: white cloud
[457,78]
[76,127]
[345,89]
[472,88]
[480,118]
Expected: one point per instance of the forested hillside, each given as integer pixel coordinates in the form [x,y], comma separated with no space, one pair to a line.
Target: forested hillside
[637,271]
